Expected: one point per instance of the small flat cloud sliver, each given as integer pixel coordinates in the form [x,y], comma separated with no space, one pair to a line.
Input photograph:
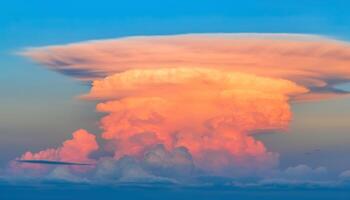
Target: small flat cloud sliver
[50,162]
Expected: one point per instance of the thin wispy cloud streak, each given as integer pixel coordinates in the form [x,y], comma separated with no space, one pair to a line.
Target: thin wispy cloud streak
[50,162]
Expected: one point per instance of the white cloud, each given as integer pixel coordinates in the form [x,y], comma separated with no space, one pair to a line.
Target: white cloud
[63,173]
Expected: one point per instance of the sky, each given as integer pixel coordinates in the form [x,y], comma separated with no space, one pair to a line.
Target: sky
[40,108]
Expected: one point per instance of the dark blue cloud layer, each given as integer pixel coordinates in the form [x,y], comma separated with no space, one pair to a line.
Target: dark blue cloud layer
[65,191]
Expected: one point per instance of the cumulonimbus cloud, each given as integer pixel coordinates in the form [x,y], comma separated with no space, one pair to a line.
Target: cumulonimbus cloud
[206,93]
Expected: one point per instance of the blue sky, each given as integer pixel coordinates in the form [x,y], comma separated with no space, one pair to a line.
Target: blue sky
[38,23]
[39,108]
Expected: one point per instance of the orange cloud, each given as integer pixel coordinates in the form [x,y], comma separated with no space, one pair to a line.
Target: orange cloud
[313,61]
[204,110]
[207,92]
[76,149]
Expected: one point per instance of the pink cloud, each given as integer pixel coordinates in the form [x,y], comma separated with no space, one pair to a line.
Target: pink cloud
[207,93]
[313,61]
[76,149]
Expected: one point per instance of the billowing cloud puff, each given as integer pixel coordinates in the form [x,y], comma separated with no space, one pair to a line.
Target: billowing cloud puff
[345,175]
[76,149]
[201,97]
[156,165]
[300,176]
[302,173]
[64,174]
[208,111]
